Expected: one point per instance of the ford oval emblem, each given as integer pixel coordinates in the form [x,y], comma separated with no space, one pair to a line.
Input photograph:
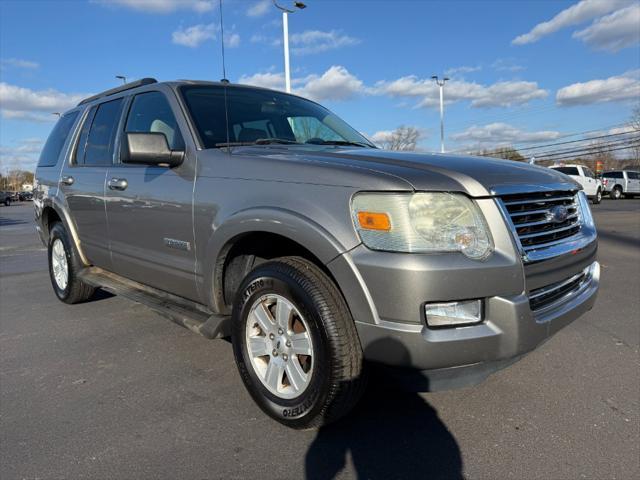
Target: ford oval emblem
[558,214]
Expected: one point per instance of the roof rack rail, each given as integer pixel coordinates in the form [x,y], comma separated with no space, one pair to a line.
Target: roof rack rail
[121,88]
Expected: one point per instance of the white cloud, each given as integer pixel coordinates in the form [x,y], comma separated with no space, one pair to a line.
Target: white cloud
[580,12]
[506,65]
[502,94]
[28,116]
[161,6]
[275,81]
[19,63]
[625,87]
[614,32]
[271,41]
[231,40]
[334,84]
[462,70]
[383,138]
[23,155]
[500,134]
[195,35]
[316,41]
[16,99]
[259,9]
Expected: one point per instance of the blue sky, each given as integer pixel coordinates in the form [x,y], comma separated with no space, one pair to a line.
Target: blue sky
[522,73]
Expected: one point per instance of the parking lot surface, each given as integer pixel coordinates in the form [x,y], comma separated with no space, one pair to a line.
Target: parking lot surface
[109,389]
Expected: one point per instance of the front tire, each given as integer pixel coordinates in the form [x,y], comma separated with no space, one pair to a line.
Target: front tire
[296,345]
[598,198]
[64,265]
[7,202]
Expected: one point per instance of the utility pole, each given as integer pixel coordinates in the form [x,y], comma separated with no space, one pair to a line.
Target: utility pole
[285,34]
[440,84]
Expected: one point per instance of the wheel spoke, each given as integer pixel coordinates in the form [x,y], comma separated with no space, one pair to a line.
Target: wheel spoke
[264,319]
[297,377]
[283,314]
[300,344]
[273,375]
[258,346]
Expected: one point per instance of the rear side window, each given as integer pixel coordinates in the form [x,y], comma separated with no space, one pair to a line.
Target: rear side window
[95,146]
[55,142]
[633,175]
[613,175]
[151,112]
[568,170]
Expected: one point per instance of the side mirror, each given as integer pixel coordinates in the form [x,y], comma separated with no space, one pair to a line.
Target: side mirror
[151,149]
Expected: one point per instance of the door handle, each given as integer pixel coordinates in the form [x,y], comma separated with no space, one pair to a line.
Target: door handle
[67,180]
[118,184]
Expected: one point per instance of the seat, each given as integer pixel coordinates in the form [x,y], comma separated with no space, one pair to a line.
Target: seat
[251,134]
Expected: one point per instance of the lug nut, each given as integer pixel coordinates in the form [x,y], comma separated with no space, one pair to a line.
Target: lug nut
[275,352]
[271,336]
[280,331]
[285,357]
[288,344]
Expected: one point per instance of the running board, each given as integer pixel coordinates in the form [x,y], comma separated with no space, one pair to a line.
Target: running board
[185,313]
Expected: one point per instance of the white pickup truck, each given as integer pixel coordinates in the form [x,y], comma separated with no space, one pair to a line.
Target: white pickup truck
[585,177]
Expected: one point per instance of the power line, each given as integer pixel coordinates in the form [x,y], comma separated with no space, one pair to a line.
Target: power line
[587,149]
[576,141]
[555,159]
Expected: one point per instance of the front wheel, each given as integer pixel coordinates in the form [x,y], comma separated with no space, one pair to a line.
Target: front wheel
[296,345]
[598,198]
[7,202]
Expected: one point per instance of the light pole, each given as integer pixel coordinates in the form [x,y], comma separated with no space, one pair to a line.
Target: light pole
[285,33]
[56,113]
[440,84]
[123,78]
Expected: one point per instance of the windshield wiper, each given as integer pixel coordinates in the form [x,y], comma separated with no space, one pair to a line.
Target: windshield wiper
[259,141]
[341,142]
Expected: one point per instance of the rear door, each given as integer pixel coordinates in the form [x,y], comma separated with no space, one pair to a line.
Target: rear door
[633,182]
[149,208]
[83,179]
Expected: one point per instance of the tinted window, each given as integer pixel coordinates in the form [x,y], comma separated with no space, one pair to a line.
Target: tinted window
[151,112]
[633,175]
[567,170]
[99,147]
[613,175]
[262,114]
[55,142]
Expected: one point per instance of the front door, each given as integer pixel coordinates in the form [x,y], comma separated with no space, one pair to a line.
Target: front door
[83,180]
[149,208]
[590,183]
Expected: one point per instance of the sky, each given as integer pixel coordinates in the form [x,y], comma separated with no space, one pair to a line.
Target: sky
[522,73]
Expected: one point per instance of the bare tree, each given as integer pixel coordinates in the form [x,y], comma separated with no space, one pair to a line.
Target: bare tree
[404,138]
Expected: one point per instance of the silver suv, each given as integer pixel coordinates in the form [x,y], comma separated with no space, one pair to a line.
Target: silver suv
[252,214]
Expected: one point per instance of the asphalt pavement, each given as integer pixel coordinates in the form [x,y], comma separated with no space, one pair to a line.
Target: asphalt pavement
[110,390]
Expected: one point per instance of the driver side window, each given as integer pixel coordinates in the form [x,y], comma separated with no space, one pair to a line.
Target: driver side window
[150,112]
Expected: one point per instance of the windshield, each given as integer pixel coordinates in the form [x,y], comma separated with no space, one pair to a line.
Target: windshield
[258,117]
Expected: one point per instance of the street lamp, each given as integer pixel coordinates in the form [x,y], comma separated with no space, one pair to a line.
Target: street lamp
[56,113]
[285,33]
[440,84]
[123,78]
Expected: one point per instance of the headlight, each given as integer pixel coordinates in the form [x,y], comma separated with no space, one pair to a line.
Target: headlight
[585,210]
[421,223]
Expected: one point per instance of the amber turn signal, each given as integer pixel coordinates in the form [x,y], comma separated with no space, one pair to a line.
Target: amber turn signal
[374,221]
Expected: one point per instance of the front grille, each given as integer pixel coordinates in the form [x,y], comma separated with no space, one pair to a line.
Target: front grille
[542,298]
[532,216]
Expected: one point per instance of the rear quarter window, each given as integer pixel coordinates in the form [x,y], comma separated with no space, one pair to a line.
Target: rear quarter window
[567,170]
[57,138]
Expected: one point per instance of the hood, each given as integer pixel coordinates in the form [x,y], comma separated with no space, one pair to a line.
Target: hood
[477,176]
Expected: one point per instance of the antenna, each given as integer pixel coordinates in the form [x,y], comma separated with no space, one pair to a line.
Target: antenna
[224,68]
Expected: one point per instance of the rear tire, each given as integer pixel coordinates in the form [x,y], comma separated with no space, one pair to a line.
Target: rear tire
[7,202]
[616,193]
[64,266]
[332,378]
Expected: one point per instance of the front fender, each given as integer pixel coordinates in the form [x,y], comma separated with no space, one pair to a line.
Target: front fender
[287,223]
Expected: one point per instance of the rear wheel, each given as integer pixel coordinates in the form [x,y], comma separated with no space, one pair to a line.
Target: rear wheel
[7,202]
[64,265]
[296,345]
[616,193]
